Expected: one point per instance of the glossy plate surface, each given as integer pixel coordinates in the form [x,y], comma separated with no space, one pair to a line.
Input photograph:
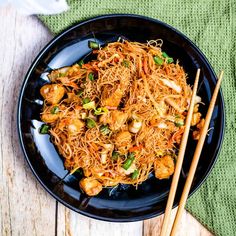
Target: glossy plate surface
[123,203]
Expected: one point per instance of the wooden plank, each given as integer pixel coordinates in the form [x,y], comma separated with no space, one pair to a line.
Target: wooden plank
[25,209]
[72,224]
[188,226]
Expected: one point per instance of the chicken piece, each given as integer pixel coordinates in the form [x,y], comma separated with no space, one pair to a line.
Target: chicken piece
[164,167]
[115,119]
[49,118]
[195,109]
[52,93]
[112,100]
[155,120]
[75,125]
[196,133]
[201,124]
[196,118]
[123,141]
[90,186]
[118,119]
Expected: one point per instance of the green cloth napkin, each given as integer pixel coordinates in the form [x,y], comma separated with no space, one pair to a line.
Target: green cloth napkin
[209,23]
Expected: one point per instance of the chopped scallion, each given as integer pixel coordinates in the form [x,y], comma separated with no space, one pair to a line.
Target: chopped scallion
[54,110]
[100,111]
[115,155]
[91,76]
[61,74]
[135,174]
[104,129]
[80,171]
[89,105]
[125,63]
[80,92]
[128,162]
[170,60]
[90,123]
[179,122]
[44,129]
[86,100]
[165,55]
[93,45]
[158,60]
[80,63]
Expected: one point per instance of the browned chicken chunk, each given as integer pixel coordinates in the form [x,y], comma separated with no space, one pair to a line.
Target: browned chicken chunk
[123,141]
[115,119]
[90,186]
[196,133]
[75,125]
[52,93]
[196,118]
[112,100]
[49,118]
[164,167]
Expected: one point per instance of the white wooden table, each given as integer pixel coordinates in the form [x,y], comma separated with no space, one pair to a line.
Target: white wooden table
[25,207]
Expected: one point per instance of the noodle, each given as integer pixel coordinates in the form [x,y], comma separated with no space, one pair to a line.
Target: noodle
[118,117]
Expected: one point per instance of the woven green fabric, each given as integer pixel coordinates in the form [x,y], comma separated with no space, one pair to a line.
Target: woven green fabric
[210,24]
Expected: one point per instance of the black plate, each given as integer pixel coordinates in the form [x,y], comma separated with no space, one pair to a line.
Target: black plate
[123,203]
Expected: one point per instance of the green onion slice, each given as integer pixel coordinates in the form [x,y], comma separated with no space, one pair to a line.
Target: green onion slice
[90,123]
[54,110]
[80,63]
[100,111]
[115,155]
[128,162]
[86,100]
[91,76]
[125,63]
[135,174]
[158,60]
[179,122]
[165,55]
[89,105]
[104,129]
[170,60]
[80,92]
[93,45]
[44,129]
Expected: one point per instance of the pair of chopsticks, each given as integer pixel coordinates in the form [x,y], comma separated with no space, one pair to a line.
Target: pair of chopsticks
[195,160]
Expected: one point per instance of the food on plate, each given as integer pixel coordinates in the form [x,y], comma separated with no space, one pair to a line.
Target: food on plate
[120,116]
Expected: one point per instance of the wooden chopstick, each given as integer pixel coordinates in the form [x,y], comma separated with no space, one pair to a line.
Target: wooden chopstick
[180,158]
[196,157]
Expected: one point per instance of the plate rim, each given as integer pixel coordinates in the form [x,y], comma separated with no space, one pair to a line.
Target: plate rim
[32,67]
